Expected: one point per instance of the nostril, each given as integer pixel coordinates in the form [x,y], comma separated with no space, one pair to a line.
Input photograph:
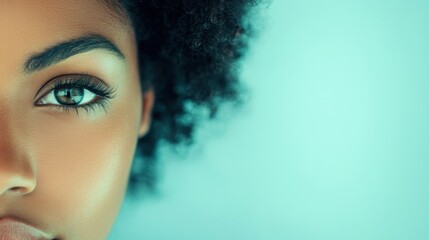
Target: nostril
[21,190]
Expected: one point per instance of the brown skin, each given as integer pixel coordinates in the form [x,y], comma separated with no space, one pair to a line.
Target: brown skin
[66,174]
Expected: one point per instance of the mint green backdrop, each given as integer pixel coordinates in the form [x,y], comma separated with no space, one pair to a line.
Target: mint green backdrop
[333,142]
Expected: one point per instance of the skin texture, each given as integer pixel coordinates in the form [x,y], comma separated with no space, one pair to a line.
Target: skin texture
[64,173]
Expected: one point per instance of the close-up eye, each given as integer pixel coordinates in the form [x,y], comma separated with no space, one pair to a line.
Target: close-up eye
[77,92]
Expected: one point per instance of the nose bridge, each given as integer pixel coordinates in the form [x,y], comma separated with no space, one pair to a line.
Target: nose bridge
[17,171]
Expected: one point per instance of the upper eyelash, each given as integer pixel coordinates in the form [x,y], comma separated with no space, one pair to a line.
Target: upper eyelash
[84,81]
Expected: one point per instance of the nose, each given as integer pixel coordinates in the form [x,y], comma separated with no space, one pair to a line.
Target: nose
[17,173]
[16,177]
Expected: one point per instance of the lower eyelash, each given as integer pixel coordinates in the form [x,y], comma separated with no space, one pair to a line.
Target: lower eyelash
[102,103]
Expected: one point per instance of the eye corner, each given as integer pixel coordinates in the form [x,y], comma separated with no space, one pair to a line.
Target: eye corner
[36,102]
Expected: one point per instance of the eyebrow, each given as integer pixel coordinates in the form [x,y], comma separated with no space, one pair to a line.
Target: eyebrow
[66,49]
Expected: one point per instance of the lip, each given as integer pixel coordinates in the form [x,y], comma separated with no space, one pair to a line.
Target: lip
[13,229]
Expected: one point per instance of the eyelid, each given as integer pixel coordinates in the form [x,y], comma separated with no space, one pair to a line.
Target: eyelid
[73,80]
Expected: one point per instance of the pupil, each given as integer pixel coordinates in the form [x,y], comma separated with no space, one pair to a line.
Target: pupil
[68,96]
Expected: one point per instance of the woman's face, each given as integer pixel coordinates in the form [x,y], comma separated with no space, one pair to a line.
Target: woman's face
[64,170]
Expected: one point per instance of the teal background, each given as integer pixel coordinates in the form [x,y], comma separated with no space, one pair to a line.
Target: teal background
[332,143]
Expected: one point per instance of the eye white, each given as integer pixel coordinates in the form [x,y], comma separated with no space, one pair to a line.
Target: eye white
[49,98]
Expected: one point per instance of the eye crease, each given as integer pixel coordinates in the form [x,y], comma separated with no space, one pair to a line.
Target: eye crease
[75,92]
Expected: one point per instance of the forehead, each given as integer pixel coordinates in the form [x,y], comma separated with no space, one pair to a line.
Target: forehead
[60,13]
[27,26]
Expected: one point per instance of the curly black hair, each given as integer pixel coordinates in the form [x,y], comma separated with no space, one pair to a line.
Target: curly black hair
[188,53]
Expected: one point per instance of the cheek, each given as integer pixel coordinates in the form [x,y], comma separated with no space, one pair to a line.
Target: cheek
[83,167]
